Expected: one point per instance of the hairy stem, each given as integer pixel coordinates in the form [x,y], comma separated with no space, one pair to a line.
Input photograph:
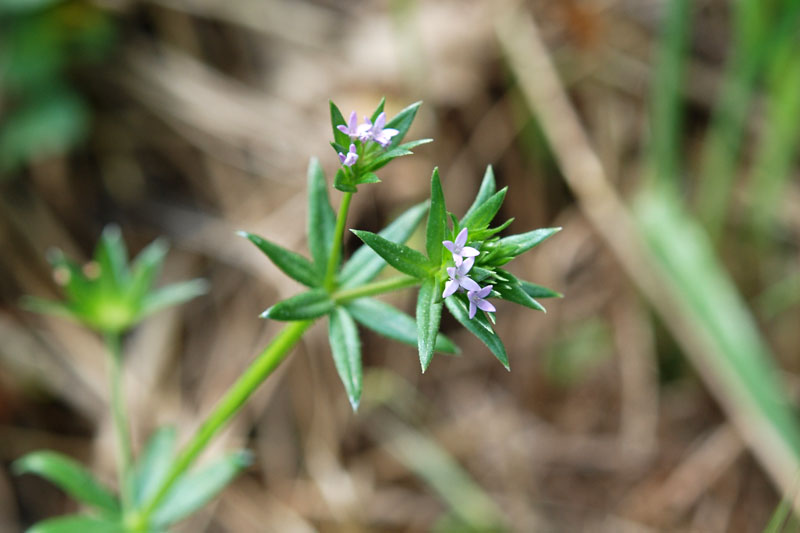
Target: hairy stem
[338,236]
[120,418]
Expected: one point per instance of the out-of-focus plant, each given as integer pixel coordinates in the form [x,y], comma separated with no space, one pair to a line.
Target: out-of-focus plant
[461,270]
[41,43]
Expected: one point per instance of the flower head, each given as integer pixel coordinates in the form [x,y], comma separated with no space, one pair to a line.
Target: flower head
[381,135]
[352,126]
[458,249]
[477,301]
[459,278]
[350,158]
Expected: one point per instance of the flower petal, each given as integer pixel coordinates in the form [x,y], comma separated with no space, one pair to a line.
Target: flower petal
[472,309]
[485,306]
[450,245]
[469,284]
[484,292]
[469,251]
[461,239]
[450,288]
[451,271]
[466,265]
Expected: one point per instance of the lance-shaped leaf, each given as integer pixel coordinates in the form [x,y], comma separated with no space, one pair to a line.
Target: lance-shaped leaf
[429,315]
[390,322]
[437,221]
[367,177]
[77,524]
[405,259]
[537,291]
[310,304]
[292,264]
[154,464]
[401,122]
[112,257]
[402,150]
[69,476]
[487,189]
[512,291]
[378,110]
[365,263]
[337,119]
[48,307]
[525,241]
[198,487]
[345,180]
[174,294]
[478,326]
[483,215]
[145,269]
[346,350]
[321,218]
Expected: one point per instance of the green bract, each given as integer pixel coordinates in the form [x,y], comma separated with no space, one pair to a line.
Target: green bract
[107,294]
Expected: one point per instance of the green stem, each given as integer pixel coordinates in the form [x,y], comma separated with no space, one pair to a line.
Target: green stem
[371,289]
[233,400]
[338,236]
[121,427]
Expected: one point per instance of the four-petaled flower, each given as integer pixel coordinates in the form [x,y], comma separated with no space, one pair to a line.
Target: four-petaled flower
[458,249]
[376,132]
[350,158]
[459,278]
[352,126]
[476,301]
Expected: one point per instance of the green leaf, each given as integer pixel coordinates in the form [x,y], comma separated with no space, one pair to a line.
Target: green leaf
[401,122]
[368,177]
[174,294]
[365,264]
[69,476]
[292,264]
[344,179]
[487,189]
[404,149]
[525,241]
[321,218]
[346,350]
[429,315]
[393,323]
[310,304]
[537,291]
[378,110]
[197,488]
[77,287]
[337,119]
[77,524]
[154,464]
[145,270]
[403,258]
[483,215]
[512,291]
[437,221]
[478,326]
[47,307]
[112,257]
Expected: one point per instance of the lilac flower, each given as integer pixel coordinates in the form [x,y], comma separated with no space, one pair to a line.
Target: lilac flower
[350,159]
[459,278]
[458,249]
[352,126]
[376,132]
[476,301]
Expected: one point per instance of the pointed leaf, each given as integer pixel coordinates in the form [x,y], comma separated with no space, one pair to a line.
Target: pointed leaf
[402,150]
[512,291]
[401,122]
[437,221]
[145,269]
[337,119]
[77,524]
[525,241]
[537,291]
[292,264]
[378,110]
[69,476]
[393,323]
[174,294]
[310,304]
[403,258]
[344,179]
[478,326]
[71,277]
[368,177]
[154,464]
[197,488]
[346,350]
[321,218]
[429,315]
[483,215]
[487,189]
[365,264]
[112,257]
[47,307]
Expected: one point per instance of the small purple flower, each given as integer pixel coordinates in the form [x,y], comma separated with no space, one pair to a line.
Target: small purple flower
[350,159]
[376,132]
[458,249]
[352,126]
[476,301]
[459,278]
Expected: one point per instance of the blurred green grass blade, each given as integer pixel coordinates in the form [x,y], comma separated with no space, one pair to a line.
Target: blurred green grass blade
[77,524]
[667,112]
[154,464]
[778,520]
[456,488]
[740,358]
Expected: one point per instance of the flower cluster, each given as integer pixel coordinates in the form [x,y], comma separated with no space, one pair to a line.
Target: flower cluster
[459,280]
[368,131]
